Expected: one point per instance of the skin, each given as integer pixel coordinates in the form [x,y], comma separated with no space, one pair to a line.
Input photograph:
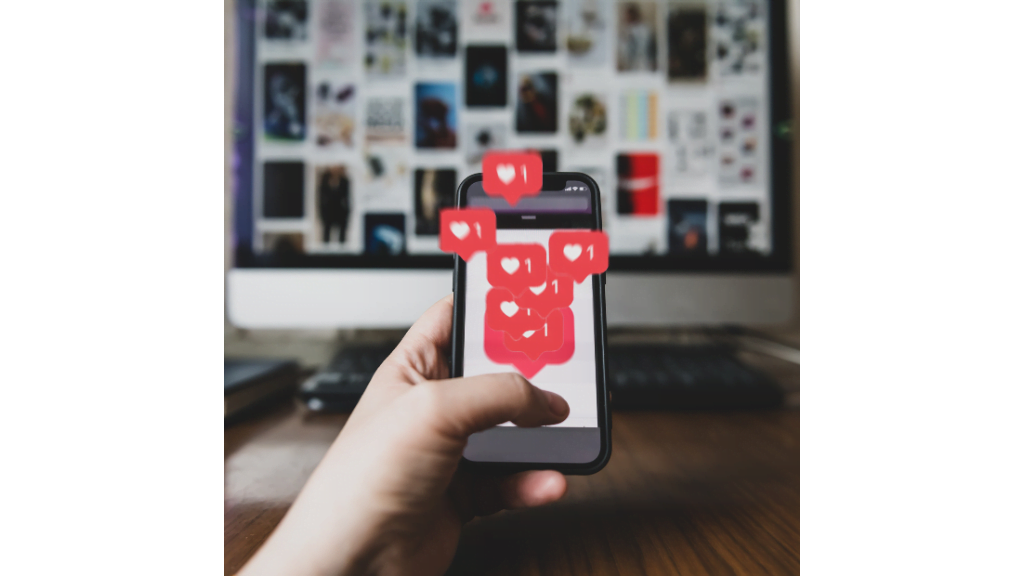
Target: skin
[389,497]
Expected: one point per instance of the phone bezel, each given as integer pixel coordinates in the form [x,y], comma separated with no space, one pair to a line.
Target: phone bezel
[552,181]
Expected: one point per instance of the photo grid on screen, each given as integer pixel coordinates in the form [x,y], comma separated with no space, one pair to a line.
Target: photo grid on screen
[368,114]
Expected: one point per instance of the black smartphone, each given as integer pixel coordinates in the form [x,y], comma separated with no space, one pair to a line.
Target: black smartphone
[576,371]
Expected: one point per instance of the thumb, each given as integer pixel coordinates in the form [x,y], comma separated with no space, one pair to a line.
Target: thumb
[469,405]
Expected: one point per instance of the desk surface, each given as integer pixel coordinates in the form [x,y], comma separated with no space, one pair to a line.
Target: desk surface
[684,493]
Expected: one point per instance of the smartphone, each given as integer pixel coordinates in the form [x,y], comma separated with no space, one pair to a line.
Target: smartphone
[576,371]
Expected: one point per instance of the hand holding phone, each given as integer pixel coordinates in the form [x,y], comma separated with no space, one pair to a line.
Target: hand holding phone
[395,465]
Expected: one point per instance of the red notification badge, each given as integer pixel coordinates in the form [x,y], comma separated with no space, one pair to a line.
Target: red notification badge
[503,313]
[516,266]
[494,347]
[533,343]
[512,175]
[467,231]
[579,254]
[556,292]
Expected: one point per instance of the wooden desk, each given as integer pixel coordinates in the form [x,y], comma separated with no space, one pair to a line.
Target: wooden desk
[684,493]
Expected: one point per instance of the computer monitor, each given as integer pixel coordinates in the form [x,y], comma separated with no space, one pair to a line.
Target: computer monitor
[356,120]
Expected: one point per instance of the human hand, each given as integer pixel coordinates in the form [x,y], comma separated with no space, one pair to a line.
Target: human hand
[388,497]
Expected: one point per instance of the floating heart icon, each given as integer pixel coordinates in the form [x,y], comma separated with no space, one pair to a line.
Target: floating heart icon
[572,251]
[466,231]
[516,267]
[506,173]
[460,229]
[494,347]
[512,175]
[509,308]
[510,265]
[556,292]
[578,253]
[546,338]
[503,313]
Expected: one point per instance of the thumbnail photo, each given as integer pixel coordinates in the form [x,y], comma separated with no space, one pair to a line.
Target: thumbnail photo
[737,141]
[587,29]
[386,30]
[638,36]
[588,118]
[486,78]
[737,37]
[690,137]
[284,244]
[536,26]
[385,120]
[286,20]
[687,43]
[434,189]
[384,234]
[337,32]
[334,114]
[485,18]
[639,116]
[637,190]
[740,230]
[537,105]
[386,176]
[437,28]
[688,227]
[284,189]
[436,124]
[548,159]
[482,138]
[333,202]
[284,101]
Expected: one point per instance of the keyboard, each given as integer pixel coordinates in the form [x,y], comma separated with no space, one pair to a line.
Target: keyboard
[668,377]
[673,377]
[339,385]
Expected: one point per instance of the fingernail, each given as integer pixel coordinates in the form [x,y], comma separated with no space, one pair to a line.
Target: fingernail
[557,404]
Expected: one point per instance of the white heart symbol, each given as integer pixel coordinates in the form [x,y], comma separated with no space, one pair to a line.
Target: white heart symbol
[506,173]
[538,289]
[528,333]
[572,251]
[460,229]
[510,265]
[509,308]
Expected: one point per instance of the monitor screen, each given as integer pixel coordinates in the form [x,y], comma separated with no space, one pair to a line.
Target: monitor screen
[358,119]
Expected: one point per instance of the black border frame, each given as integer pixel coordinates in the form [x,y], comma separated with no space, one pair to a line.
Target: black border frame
[552,181]
[781,160]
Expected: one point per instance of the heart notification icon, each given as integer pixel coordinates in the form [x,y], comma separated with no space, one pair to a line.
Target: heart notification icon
[556,292]
[579,253]
[467,231]
[533,343]
[512,175]
[503,313]
[494,347]
[516,267]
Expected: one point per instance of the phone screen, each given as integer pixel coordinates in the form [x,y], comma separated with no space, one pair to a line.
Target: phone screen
[573,369]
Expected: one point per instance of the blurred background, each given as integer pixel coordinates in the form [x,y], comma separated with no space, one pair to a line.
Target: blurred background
[358,119]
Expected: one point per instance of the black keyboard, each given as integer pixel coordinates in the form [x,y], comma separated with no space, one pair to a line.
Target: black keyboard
[639,377]
[338,386]
[685,377]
